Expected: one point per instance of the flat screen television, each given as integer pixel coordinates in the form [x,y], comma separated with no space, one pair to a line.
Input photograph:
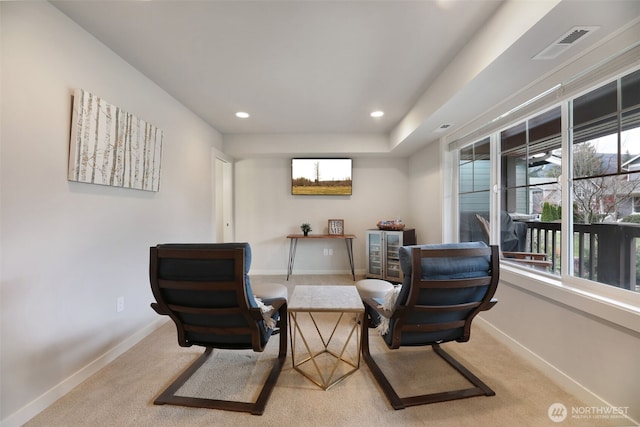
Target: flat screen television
[321,176]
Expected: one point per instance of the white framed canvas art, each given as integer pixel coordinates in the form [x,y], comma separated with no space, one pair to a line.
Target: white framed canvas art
[110,146]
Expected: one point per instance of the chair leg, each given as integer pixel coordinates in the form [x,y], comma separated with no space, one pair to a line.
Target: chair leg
[168,396]
[477,382]
[392,396]
[270,383]
[397,402]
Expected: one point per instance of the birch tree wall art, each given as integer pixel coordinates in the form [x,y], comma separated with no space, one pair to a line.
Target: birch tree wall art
[110,146]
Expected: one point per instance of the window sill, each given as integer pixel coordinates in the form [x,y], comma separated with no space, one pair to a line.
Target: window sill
[622,313]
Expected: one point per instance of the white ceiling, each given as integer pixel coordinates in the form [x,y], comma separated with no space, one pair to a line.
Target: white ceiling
[320,67]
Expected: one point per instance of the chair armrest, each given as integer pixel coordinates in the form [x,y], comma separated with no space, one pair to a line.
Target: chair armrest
[534,262]
[375,306]
[157,309]
[281,305]
[278,304]
[525,255]
[489,305]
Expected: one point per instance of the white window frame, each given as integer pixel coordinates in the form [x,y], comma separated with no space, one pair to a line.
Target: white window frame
[607,302]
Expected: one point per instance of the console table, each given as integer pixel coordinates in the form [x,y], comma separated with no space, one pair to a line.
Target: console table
[293,244]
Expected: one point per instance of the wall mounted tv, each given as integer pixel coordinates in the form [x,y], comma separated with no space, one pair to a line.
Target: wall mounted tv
[321,177]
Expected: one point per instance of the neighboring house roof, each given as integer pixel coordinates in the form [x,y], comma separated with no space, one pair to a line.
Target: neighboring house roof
[632,164]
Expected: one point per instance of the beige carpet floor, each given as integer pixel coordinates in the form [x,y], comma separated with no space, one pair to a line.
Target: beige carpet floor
[122,393]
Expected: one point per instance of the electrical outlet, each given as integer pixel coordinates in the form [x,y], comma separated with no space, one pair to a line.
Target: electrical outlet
[120,304]
[326,251]
[330,252]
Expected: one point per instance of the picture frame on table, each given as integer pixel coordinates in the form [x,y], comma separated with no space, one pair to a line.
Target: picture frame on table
[336,227]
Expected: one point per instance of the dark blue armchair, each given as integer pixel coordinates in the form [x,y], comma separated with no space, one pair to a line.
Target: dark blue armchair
[205,290]
[445,286]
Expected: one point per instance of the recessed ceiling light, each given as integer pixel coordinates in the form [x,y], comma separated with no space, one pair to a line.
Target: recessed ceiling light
[377,114]
[242,115]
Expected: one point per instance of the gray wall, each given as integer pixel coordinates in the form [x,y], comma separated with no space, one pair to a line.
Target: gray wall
[266,212]
[69,250]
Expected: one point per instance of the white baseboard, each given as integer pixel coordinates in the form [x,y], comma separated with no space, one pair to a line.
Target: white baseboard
[554,374]
[36,406]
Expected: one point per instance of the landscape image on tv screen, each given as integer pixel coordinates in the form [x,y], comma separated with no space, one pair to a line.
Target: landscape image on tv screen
[321,177]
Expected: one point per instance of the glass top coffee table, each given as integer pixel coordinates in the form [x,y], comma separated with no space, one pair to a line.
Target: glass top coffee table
[325,344]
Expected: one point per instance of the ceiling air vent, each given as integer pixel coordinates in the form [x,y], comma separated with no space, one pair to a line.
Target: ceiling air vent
[443,127]
[567,40]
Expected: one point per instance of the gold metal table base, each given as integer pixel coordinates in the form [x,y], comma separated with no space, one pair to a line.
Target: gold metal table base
[325,380]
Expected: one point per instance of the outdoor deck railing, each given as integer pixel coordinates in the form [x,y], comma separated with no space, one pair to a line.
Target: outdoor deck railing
[605,252]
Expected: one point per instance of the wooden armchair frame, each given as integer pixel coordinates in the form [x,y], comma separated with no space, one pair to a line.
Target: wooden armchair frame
[412,306]
[195,333]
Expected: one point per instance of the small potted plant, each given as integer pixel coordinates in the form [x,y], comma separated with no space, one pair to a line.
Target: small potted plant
[306,228]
